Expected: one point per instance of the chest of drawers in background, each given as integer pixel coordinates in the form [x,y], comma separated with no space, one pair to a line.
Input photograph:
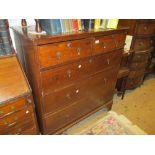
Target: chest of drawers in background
[142,43]
[72,75]
[17,114]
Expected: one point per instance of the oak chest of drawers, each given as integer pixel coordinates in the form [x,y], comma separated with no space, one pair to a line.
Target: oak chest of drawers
[72,75]
[17,114]
[142,43]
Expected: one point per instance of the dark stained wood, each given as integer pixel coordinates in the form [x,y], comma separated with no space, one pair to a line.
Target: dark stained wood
[143,32]
[16,102]
[69,79]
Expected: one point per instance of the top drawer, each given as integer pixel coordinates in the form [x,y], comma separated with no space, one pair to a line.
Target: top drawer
[53,54]
[145,29]
[107,43]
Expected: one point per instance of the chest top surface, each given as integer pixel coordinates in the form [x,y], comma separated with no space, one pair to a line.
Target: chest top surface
[12,80]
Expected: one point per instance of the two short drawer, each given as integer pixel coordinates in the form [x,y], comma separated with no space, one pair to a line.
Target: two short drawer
[58,53]
[61,76]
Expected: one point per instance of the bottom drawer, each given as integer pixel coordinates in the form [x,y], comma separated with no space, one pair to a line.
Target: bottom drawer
[70,114]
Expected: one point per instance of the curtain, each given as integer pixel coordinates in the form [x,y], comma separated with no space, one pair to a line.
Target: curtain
[6,47]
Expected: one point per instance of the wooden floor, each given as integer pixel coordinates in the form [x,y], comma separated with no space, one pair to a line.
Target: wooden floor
[138,106]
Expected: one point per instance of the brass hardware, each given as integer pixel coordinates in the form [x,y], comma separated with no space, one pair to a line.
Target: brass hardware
[104,46]
[12,124]
[58,55]
[12,107]
[78,51]
[69,73]
[29,100]
[1,112]
[108,61]
[27,111]
[68,44]
[79,66]
[77,91]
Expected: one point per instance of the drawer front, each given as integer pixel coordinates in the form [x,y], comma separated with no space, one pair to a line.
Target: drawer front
[140,58]
[145,29]
[101,84]
[18,129]
[143,44]
[97,90]
[14,119]
[57,53]
[62,76]
[136,73]
[138,65]
[12,107]
[107,43]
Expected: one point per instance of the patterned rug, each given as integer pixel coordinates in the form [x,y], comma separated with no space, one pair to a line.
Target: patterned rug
[111,124]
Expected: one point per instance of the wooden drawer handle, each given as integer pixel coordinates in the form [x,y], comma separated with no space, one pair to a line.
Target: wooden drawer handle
[58,55]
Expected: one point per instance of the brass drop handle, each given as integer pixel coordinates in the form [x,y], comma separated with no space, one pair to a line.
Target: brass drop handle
[104,46]
[68,45]
[108,61]
[105,80]
[78,51]
[69,73]
[58,55]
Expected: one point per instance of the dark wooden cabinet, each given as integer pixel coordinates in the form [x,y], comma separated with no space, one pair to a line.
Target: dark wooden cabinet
[17,115]
[143,32]
[72,75]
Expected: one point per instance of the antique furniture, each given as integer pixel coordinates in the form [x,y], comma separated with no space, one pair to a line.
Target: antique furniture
[123,73]
[72,75]
[142,32]
[16,103]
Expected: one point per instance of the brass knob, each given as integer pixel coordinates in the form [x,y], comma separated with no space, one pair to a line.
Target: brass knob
[77,91]
[78,51]
[27,111]
[58,55]
[68,44]
[79,66]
